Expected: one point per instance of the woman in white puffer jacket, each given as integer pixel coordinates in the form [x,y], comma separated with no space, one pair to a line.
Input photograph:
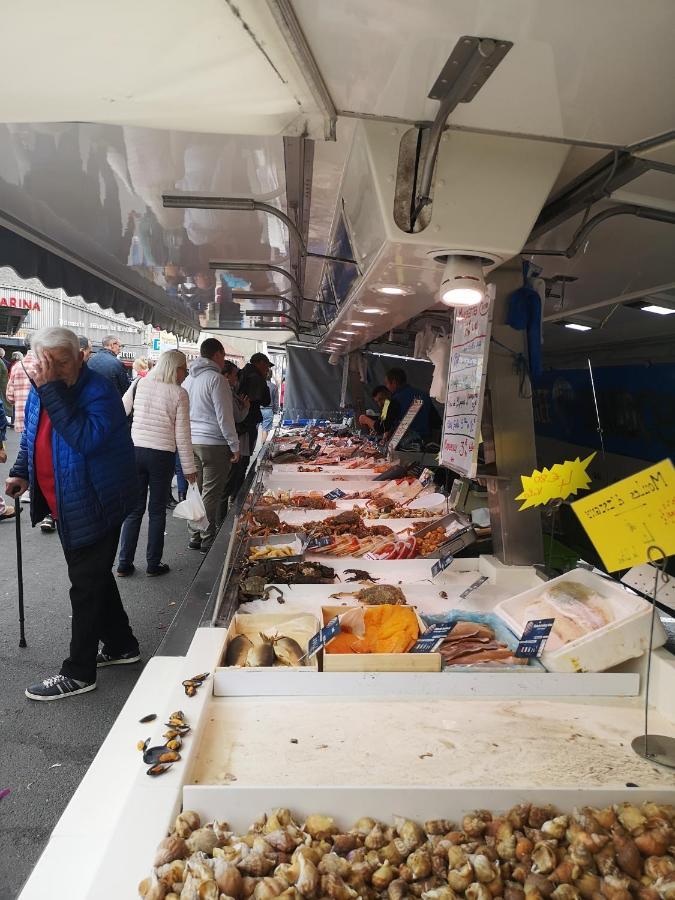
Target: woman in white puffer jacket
[160,426]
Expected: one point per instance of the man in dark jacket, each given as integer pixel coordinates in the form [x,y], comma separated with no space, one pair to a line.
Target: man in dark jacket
[254,385]
[77,460]
[106,363]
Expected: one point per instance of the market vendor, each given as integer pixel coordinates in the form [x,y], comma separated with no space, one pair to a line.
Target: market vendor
[388,412]
[402,395]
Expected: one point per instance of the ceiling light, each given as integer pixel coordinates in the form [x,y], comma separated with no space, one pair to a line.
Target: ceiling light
[373,311]
[462,283]
[340,339]
[391,289]
[576,326]
[658,310]
[360,324]
[344,331]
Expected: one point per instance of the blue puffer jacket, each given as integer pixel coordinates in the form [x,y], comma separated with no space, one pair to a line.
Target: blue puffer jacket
[93,456]
[107,364]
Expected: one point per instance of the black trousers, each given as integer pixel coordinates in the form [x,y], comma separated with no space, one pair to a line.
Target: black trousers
[155,470]
[98,614]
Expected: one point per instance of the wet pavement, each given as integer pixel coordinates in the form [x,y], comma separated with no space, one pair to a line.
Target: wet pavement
[47,747]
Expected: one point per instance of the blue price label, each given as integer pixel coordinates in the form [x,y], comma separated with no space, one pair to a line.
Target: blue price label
[335,494]
[321,638]
[533,641]
[432,638]
[442,564]
[319,542]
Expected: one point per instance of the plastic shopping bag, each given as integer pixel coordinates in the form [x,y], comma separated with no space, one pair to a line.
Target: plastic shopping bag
[192,508]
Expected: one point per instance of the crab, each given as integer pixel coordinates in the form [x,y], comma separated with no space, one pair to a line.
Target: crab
[266,517]
[255,587]
[376,595]
[348,517]
[359,575]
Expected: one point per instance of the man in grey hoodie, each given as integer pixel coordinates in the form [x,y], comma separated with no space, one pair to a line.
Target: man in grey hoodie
[214,435]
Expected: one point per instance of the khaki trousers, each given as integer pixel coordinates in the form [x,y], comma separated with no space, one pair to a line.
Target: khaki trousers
[213,462]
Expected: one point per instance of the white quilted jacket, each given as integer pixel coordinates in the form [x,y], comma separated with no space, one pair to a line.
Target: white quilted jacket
[161,418]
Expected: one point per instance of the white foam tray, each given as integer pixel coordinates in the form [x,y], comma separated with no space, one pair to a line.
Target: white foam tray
[625,638]
[241,806]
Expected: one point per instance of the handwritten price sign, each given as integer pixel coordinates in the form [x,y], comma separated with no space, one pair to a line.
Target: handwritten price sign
[628,518]
[556,483]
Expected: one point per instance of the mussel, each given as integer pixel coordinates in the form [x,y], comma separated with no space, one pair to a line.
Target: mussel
[158,769]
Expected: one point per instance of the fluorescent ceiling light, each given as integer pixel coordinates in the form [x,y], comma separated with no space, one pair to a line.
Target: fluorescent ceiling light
[373,311]
[658,310]
[398,356]
[392,290]
[344,331]
[462,283]
[575,326]
[360,324]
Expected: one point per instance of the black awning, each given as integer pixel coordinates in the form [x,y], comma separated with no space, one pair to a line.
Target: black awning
[57,267]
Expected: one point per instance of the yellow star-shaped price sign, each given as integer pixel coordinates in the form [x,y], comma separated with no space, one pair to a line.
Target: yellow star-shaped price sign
[556,483]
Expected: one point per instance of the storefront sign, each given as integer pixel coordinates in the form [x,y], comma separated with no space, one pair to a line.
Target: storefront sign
[322,637]
[627,519]
[533,641]
[432,638]
[442,564]
[20,303]
[556,483]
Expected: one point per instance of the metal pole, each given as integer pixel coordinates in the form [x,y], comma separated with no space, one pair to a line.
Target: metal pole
[19,570]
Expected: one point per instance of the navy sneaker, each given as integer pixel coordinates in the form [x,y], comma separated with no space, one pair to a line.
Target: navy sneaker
[58,687]
[122,659]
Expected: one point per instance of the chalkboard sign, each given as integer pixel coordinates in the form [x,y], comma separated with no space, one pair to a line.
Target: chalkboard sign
[466,386]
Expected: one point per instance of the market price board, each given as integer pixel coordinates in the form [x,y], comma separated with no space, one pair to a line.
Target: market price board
[466,386]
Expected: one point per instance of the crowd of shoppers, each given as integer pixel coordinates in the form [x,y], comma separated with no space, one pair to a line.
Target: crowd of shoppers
[97,450]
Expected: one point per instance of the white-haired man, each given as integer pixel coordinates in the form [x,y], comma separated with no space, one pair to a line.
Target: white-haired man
[106,363]
[77,460]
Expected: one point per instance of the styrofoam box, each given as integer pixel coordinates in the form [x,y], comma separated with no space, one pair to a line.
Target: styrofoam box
[625,638]
[303,627]
[240,806]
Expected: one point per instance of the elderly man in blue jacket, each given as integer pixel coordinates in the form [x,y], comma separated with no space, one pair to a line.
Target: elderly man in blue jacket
[77,460]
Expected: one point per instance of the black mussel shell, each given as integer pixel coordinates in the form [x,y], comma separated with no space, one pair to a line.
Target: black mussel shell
[149,718]
[179,729]
[200,678]
[152,755]
[159,769]
[179,714]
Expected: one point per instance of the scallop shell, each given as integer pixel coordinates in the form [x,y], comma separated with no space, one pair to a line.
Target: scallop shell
[438,826]
[363,826]
[477,891]
[475,824]
[256,864]
[566,892]
[334,886]
[376,838]
[631,818]
[383,877]
[228,878]
[419,863]
[588,885]
[544,859]
[556,827]
[172,847]
[344,843]
[482,868]
[460,878]
[204,839]
[332,864]
[269,888]
[308,877]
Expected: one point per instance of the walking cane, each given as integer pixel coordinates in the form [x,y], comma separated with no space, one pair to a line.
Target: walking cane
[19,570]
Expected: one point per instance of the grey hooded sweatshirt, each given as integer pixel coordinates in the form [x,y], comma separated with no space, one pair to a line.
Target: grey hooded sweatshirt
[211,414]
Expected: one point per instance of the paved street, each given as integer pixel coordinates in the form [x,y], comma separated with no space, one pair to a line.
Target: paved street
[47,747]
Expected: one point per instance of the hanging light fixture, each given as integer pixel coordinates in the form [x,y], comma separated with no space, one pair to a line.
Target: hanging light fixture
[462,283]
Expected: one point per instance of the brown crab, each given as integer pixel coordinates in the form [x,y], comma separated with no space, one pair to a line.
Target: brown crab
[265,516]
[377,595]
